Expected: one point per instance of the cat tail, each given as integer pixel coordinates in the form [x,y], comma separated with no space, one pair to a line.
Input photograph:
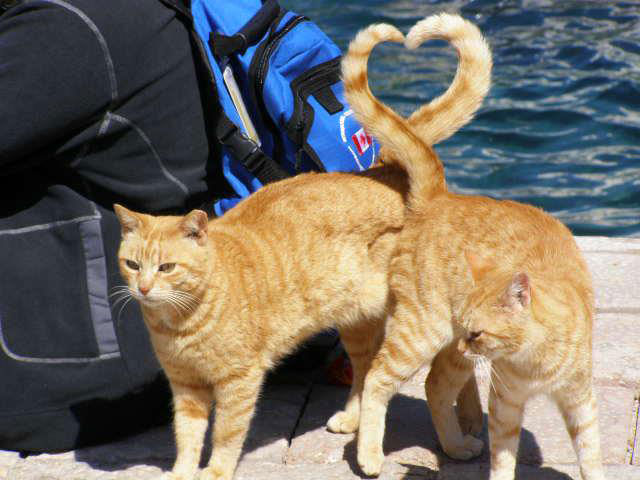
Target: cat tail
[400,143]
[444,115]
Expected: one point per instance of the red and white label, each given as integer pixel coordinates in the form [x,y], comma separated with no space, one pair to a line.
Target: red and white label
[362,140]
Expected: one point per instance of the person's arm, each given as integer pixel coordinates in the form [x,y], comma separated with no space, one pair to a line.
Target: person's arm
[55,80]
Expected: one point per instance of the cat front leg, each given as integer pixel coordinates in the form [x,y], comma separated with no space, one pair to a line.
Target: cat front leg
[192,405]
[360,343]
[580,415]
[235,396]
[506,409]
[448,375]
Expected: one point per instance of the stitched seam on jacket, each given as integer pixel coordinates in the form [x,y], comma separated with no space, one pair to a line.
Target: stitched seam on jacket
[45,226]
[113,83]
[22,358]
[101,40]
[154,152]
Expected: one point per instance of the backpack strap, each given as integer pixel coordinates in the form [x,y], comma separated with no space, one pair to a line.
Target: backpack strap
[247,152]
[250,34]
[243,149]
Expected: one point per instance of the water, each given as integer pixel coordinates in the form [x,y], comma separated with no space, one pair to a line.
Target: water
[560,128]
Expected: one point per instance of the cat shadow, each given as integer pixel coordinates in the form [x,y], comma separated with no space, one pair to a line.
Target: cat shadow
[293,410]
[411,441]
[136,429]
[154,446]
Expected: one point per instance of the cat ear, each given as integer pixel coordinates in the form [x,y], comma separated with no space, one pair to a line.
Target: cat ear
[479,266]
[129,221]
[194,225]
[518,292]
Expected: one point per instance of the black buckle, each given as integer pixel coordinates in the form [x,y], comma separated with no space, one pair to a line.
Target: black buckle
[241,146]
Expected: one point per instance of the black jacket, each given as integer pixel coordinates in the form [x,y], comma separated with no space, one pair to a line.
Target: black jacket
[99,103]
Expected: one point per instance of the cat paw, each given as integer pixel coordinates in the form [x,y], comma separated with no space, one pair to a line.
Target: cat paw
[173,476]
[371,461]
[471,425]
[342,422]
[215,473]
[469,448]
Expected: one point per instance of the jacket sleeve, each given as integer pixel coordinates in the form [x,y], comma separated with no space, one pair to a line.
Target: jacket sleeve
[54,80]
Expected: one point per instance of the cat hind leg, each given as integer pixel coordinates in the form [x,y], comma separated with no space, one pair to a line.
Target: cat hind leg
[469,408]
[360,343]
[580,414]
[449,373]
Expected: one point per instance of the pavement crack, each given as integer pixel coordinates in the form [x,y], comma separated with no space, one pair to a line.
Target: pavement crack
[301,414]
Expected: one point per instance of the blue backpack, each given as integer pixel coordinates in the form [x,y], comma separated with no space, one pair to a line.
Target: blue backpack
[280,102]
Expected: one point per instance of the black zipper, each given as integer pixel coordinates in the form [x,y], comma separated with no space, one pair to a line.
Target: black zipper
[258,72]
[301,121]
[320,76]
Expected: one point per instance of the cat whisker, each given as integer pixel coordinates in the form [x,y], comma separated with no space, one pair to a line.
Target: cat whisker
[120,287]
[185,300]
[489,371]
[181,302]
[486,367]
[486,372]
[499,378]
[119,290]
[185,307]
[120,299]
[122,307]
[185,294]
[188,305]
[174,307]
[119,294]
[177,305]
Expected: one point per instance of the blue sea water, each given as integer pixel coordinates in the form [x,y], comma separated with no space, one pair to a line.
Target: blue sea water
[560,128]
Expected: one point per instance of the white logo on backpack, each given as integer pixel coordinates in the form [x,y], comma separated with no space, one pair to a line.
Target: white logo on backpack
[360,138]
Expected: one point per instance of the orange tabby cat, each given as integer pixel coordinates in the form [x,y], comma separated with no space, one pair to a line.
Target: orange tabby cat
[471,277]
[224,300]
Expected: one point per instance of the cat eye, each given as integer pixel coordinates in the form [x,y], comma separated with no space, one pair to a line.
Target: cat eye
[166,267]
[132,265]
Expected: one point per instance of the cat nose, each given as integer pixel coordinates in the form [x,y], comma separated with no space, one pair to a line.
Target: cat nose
[144,289]
[474,335]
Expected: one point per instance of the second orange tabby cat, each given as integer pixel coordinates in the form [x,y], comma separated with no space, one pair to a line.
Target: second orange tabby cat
[472,278]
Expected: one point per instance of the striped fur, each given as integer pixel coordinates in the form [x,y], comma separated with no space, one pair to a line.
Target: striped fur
[446,114]
[401,144]
[474,278]
[409,145]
